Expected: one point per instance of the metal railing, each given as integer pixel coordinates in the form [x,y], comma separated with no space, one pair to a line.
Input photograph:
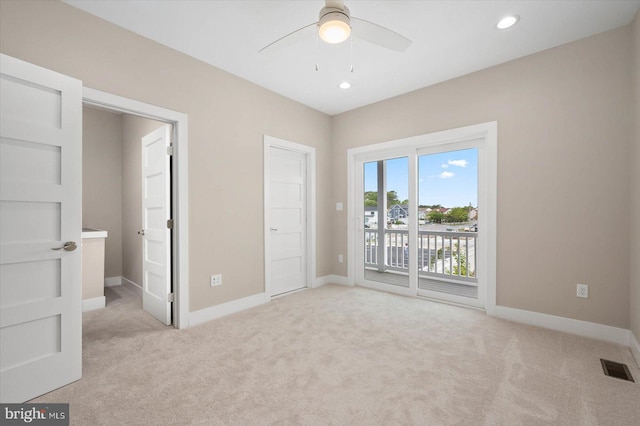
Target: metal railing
[441,254]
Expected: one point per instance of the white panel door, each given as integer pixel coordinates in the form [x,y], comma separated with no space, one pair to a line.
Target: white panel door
[156,245]
[40,229]
[287,220]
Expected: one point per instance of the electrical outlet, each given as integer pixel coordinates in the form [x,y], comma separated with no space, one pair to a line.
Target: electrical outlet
[216,280]
[582,290]
[340,258]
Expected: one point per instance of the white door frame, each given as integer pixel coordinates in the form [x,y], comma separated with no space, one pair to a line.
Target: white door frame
[487,136]
[180,184]
[310,154]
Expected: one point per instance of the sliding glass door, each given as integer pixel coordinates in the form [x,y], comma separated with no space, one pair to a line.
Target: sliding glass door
[448,224]
[386,221]
[420,214]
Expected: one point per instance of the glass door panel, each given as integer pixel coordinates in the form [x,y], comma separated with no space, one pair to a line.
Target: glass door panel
[448,223]
[386,221]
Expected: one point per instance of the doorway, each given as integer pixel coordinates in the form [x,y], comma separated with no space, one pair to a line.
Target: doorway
[423,216]
[127,198]
[175,301]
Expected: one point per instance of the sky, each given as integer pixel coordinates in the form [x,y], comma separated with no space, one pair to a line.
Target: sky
[449,178]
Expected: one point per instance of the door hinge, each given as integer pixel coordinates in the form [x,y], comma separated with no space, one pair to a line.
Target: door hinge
[171,297]
[170,150]
[170,223]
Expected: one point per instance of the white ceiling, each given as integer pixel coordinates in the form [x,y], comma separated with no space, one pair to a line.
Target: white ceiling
[450,39]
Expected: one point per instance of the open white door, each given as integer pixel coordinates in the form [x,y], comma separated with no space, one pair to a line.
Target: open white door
[156,234]
[40,229]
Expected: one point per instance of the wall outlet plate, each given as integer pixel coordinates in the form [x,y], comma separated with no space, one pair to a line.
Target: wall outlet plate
[582,290]
[340,258]
[216,280]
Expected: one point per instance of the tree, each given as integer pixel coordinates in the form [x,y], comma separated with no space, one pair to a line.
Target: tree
[464,264]
[371,198]
[392,198]
[458,214]
[436,216]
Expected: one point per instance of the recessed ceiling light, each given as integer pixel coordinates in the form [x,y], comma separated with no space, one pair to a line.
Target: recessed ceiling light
[508,22]
[344,85]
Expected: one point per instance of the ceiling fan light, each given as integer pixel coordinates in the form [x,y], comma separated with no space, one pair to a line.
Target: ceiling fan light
[334,27]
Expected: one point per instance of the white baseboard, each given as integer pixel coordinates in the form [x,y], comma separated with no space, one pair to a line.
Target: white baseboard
[112,281]
[208,314]
[136,288]
[634,344]
[331,279]
[607,333]
[93,304]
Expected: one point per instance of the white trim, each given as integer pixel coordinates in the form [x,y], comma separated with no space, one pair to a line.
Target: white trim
[607,333]
[388,288]
[180,180]
[634,345]
[113,281]
[332,279]
[93,304]
[288,293]
[310,153]
[208,314]
[136,288]
[484,136]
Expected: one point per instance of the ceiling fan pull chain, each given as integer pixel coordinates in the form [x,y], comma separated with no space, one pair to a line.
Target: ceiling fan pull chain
[351,68]
[317,54]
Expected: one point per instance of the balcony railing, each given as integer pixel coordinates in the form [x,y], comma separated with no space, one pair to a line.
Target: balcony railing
[441,254]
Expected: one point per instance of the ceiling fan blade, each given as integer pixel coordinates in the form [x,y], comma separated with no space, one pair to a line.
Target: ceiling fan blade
[379,35]
[290,38]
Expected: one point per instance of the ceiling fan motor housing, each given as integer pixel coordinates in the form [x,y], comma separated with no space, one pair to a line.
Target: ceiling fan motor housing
[334,24]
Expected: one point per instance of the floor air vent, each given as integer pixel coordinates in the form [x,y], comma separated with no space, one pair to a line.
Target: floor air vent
[617,370]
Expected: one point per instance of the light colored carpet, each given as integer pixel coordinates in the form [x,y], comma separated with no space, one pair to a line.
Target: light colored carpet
[342,356]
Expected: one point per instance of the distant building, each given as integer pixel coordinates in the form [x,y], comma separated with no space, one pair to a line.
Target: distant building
[371,216]
[398,212]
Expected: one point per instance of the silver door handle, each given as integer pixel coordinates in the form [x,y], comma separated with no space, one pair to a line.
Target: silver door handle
[68,246]
[274,229]
[141,232]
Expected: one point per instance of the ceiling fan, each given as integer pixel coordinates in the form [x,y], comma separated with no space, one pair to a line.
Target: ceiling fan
[335,25]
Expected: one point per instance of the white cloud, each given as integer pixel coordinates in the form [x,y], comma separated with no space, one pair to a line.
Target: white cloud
[445,166]
[459,163]
[446,175]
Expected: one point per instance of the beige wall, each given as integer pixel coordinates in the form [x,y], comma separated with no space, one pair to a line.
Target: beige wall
[635,194]
[102,181]
[564,130]
[227,119]
[133,129]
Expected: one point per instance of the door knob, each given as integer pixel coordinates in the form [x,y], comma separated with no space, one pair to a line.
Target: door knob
[141,232]
[68,246]
[274,229]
